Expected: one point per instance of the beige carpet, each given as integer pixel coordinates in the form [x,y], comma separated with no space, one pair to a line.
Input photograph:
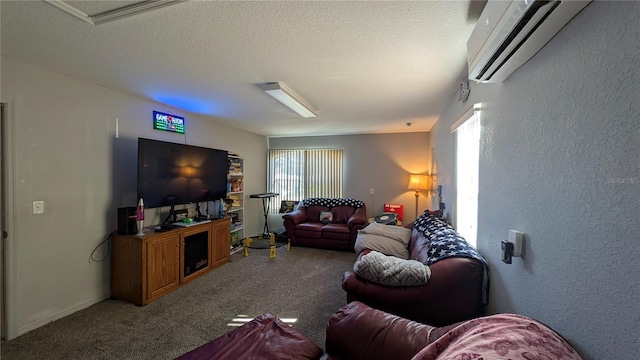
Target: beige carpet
[302,283]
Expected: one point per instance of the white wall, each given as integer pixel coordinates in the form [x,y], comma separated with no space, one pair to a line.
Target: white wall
[560,161]
[381,162]
[65,153]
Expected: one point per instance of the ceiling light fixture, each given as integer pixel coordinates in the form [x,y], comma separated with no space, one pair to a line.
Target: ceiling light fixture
[286,96]
[130,10]
[115,14]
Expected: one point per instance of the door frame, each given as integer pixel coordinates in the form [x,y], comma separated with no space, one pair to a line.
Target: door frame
[8,298]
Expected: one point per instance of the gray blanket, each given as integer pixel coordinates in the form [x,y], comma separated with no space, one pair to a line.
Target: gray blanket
[391,271]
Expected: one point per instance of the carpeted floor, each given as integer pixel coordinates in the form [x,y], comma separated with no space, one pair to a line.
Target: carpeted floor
[302,283]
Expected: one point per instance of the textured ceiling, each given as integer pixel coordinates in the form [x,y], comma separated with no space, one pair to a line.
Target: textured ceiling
[366,67]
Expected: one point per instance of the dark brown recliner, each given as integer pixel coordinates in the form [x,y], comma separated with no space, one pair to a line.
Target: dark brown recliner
[304,227]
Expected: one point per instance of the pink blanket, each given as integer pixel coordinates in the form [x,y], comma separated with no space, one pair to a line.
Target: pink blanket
[502,336]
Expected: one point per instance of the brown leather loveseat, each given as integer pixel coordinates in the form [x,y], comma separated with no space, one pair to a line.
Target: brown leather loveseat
[343,218]
[456,290]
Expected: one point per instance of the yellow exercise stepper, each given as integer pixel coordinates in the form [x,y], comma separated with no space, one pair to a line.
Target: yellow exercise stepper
[260,243]
[247,243]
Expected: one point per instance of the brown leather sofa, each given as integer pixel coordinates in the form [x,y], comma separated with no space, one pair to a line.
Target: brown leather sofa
[457,289]
[304,226]
[357,331]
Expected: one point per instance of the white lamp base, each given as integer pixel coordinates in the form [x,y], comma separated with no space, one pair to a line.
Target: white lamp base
[140,226]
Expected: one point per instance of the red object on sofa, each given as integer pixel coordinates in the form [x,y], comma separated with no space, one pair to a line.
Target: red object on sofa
[453,293]
[304,228]
[265,337]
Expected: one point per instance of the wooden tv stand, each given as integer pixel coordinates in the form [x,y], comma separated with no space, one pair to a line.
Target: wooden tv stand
[145,268]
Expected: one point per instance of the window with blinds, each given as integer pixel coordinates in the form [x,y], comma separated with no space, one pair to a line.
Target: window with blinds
[304,173]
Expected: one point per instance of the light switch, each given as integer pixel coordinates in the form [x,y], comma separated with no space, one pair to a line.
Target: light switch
[38,207]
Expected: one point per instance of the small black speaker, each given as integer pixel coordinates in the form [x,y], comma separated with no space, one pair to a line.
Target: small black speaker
[127,221]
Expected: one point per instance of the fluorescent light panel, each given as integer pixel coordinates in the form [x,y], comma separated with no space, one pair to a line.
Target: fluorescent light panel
[285,96]
[130,10]
[115,14]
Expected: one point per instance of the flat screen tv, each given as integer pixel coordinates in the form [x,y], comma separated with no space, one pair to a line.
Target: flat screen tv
[174,174]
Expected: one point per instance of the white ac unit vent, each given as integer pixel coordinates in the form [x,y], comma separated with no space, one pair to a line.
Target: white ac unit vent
[509,33]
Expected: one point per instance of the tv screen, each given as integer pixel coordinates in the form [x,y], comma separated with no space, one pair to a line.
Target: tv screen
[175,174]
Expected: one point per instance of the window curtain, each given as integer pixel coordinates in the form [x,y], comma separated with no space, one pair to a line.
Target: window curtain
[304,173]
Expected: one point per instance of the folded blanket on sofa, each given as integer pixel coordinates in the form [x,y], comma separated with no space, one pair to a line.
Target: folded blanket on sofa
[500,336]
[329,202]
[391,271]
[446,242]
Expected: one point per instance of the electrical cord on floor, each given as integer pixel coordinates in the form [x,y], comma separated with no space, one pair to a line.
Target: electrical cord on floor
[101,243]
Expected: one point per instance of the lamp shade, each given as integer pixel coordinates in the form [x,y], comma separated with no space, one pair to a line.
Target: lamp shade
[419,182]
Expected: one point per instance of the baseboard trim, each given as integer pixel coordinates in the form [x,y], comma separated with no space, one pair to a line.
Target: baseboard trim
[59,315]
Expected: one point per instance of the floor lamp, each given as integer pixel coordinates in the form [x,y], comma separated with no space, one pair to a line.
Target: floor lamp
[419,182]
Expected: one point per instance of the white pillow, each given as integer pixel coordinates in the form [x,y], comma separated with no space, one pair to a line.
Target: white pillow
[382,244]
[398,233]
[391,271]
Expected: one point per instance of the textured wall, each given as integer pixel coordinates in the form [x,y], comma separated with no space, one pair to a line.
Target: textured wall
[379,161]
[560,159]
[66,153]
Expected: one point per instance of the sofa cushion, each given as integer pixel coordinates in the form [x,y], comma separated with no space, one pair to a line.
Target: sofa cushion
[397,233]
[336,232]
[380,244]
[336,229]
[342,213]
[309,230]
[391,271]
[313,213]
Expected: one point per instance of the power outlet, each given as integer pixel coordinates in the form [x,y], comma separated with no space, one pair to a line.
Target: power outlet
[371,191]
[38,207]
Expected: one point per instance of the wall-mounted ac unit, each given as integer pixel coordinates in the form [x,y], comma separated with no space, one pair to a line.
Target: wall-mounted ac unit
[509,33]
